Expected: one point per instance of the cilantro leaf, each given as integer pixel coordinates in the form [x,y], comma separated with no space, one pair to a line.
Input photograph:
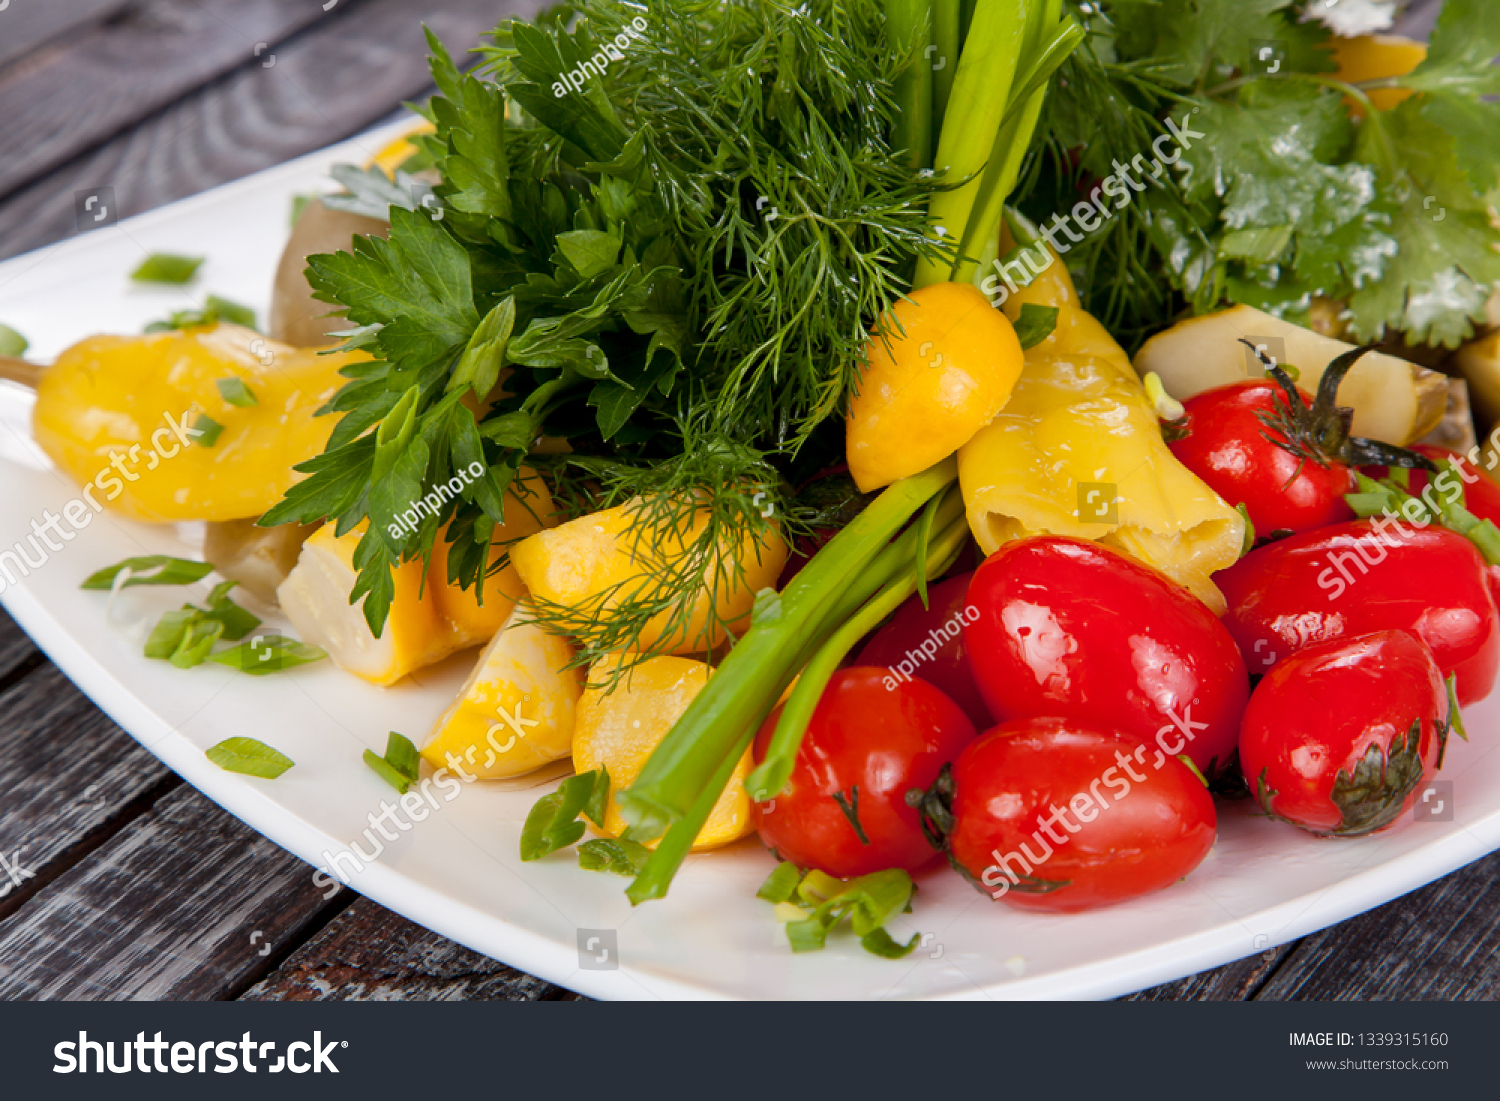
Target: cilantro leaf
[1435,287]
[1456,75]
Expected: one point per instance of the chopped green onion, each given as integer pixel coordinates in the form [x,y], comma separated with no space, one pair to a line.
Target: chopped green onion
[155,569]
[1035,324]
[619,857]
[248,756]
[781,883]
[235,392]
[401,766]
[205,430]
[166,267]
[266,654]
[553,822]
[12,343]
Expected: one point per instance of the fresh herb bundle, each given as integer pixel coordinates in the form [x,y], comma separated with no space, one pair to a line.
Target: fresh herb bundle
[1287,200]
[671,268]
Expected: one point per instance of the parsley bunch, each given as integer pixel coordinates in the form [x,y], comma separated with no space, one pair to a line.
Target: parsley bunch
[1288,197]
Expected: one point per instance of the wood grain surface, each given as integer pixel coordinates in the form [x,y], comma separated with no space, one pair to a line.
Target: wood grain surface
[346,72]
[118,880]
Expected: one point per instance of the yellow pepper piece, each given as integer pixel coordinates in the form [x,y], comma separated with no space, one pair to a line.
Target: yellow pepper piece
[595,563]
[1375,57]
[1077,451]
[394,154]
[618,729]
[118,413]
[935,376]
[516,711]
[427,622]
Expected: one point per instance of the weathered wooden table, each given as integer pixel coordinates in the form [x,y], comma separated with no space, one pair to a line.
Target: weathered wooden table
[119,881]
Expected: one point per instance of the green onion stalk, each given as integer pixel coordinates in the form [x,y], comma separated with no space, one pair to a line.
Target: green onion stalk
[984,109]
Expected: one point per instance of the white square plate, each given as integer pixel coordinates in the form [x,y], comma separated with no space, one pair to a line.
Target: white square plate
[458,871]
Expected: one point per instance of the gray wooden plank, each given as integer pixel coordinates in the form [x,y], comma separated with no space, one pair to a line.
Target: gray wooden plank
[86,87]
[29,23]
[184,903]
[328,83]
[69,776]
[368,953]
[1439,943]
[1234,982]
[17,651]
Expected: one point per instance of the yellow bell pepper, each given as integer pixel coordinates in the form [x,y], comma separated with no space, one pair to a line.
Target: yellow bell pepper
[516,712]
[594,563]
[617,728]
[145,425]
[1078,451]
[938,369]
[428,621]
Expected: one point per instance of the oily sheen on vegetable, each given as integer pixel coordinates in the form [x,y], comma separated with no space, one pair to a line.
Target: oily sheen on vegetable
[1339,737]
[1072,629]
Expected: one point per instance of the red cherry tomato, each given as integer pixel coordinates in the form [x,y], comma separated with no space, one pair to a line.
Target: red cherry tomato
[1077,630]
[1225,442]
[1065,815]
[1350,579]
[1481,492]
[844,808]
[1339,737]
[928,643]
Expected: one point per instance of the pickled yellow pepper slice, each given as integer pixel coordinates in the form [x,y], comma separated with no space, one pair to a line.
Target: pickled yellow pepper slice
[201,424]
[1077,451]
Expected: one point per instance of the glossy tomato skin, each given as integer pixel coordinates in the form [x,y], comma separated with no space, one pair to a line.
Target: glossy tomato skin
[1351,579]
[1225,444]
[1079,814]
[885,741]
[1076,630]
[1481,491]
[1336,707]
[928,644]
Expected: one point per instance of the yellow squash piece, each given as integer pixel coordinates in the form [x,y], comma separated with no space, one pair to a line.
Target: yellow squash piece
[426,624]
[143,424]
[618,729]
[597,562]
[1393,399]
[936,374]
[1078,451]
[516,711]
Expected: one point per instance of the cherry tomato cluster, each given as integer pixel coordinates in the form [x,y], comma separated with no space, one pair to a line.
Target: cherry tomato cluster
[1054,720]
